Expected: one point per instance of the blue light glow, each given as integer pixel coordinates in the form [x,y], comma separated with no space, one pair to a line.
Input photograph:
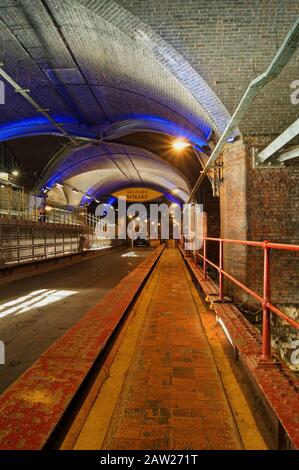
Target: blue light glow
[40,125]
[111,200]
[173,199]
[165,126]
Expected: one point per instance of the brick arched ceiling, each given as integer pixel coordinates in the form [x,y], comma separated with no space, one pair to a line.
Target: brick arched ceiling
[94,69]
[107,68]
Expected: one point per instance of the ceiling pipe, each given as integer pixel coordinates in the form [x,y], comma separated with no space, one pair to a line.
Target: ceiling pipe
[289,155]
[38,67]
[279,142]
[38,108]
[281,58]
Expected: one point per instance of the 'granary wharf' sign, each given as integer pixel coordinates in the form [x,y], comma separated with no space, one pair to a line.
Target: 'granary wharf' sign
[138,194]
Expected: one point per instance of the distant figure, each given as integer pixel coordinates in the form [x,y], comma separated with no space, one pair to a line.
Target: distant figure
[42,214]
[82,241]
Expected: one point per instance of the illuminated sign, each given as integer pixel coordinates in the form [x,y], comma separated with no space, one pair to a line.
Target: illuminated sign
[138,194]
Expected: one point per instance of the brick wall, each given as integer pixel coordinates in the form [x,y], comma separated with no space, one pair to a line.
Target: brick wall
[273,197]
[229,43]
[260,204]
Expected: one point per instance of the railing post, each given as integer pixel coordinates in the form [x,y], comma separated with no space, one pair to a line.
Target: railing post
[220,270]
[205,258]
[266,333]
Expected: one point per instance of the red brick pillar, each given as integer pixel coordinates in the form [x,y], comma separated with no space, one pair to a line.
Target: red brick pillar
[234,214]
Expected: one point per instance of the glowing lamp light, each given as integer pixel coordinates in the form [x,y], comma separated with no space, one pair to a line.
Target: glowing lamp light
[180,144]
[15,173]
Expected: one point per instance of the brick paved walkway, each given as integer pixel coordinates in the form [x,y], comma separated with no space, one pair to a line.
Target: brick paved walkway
[173,397]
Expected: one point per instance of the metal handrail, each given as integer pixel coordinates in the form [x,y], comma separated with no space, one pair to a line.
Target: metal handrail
[265,301]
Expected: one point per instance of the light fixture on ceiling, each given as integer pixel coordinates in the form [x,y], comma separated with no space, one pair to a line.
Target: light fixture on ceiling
[180,144]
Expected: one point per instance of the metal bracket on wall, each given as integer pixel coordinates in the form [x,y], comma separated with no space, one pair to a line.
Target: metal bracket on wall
[217,177]
[256,163]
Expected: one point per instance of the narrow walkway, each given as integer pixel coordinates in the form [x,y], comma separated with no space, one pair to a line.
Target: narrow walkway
[172,396]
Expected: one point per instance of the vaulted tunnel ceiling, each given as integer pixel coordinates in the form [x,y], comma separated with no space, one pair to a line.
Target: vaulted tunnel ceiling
[112,69]
[101,170]
[89,72]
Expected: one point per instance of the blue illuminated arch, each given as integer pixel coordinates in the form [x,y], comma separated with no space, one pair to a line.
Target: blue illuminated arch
[128,124]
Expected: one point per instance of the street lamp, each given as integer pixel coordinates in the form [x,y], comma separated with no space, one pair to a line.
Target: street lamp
[179,145]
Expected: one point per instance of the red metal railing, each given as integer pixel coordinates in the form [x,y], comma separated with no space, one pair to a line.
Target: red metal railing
[265,301]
